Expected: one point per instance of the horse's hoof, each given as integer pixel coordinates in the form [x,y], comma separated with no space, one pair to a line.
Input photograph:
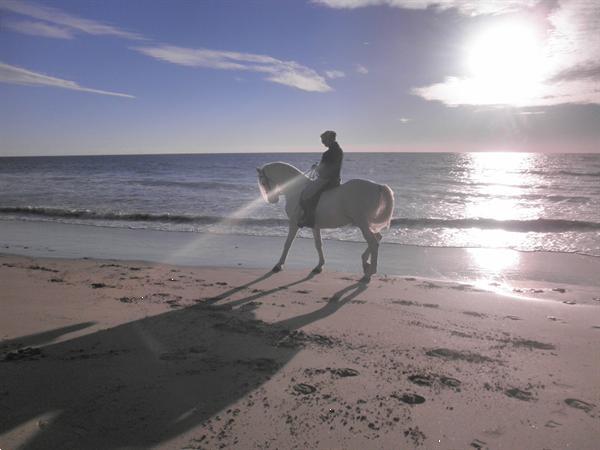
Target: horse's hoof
[366,279]
[317,270]
[276,269]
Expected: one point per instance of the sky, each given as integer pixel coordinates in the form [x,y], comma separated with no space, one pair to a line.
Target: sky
[85,77]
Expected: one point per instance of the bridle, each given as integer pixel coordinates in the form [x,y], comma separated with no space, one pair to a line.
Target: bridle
[266,184]
[264,180]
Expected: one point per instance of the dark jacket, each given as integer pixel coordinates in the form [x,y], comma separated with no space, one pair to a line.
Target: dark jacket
[330,166]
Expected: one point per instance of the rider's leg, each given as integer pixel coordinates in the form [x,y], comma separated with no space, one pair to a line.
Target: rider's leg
[309,200]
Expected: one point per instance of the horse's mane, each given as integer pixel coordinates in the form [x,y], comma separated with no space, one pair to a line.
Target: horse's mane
[288,167]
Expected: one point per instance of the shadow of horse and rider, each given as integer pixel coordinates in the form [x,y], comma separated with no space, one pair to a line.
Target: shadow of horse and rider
[147,381]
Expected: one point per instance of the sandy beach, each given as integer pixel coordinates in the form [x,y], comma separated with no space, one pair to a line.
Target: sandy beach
[125,354]
[310,224]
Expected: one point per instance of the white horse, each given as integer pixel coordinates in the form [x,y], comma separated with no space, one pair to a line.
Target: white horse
[362,203]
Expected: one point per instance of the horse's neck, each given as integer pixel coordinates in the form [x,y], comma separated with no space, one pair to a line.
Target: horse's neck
[291,180]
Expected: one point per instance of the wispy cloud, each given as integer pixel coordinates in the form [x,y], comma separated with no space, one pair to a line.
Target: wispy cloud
[361,69]
[55,23]
[71,23]
[18,75]
[38,29]
[469,7]
[589,69]
[456,91]
[333,74]
[289,73]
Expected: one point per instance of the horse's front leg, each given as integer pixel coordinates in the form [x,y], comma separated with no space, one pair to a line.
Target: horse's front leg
[319,247]
[292,230]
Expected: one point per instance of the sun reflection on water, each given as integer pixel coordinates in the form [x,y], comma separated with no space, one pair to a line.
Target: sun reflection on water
[494,261]
[498,181]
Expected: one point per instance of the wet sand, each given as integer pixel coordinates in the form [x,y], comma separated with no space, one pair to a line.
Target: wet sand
[125,354]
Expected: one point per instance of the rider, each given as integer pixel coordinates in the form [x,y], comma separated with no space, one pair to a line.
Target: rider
[328,171]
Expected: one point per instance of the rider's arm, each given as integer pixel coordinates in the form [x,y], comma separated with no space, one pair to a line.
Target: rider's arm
[325,170]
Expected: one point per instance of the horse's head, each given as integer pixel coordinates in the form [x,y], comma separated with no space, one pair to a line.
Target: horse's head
[268,187]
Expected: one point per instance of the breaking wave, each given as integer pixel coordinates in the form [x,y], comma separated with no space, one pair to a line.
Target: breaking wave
[534,225]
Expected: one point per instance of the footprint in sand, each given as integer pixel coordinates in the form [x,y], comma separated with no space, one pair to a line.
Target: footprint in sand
[345,372]
[475,314]
[303,388]
[519,394]
[454,355]
[27,353]
[430,380]
[479,444]
[450,382]
[421,380]
[512,317]
[580,404]
[410,398]
[552,424]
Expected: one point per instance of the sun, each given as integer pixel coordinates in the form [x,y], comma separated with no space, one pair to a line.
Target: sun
[505,63]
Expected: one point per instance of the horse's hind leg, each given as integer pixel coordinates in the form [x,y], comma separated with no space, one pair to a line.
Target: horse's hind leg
[319,247]
[365,259]
[372,251]
[367,253]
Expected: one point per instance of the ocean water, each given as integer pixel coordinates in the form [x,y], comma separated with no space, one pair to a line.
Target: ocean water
[523,201]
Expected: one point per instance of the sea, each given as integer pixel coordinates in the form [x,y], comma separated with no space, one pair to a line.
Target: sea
[521,201]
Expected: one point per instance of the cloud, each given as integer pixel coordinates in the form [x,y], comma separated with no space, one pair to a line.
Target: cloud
[288,73]
[38,29]
[69,22]
[404,119]
[589,70]
[17,75]
[361,69]
[467,7]
[456,91]
[333,74]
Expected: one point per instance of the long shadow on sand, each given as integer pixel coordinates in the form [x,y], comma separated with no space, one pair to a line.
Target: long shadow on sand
[144,382]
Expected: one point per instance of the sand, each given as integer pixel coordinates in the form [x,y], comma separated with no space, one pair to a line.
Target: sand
[107,354]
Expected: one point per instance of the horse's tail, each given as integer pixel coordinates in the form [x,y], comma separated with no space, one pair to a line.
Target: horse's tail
[383,213]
